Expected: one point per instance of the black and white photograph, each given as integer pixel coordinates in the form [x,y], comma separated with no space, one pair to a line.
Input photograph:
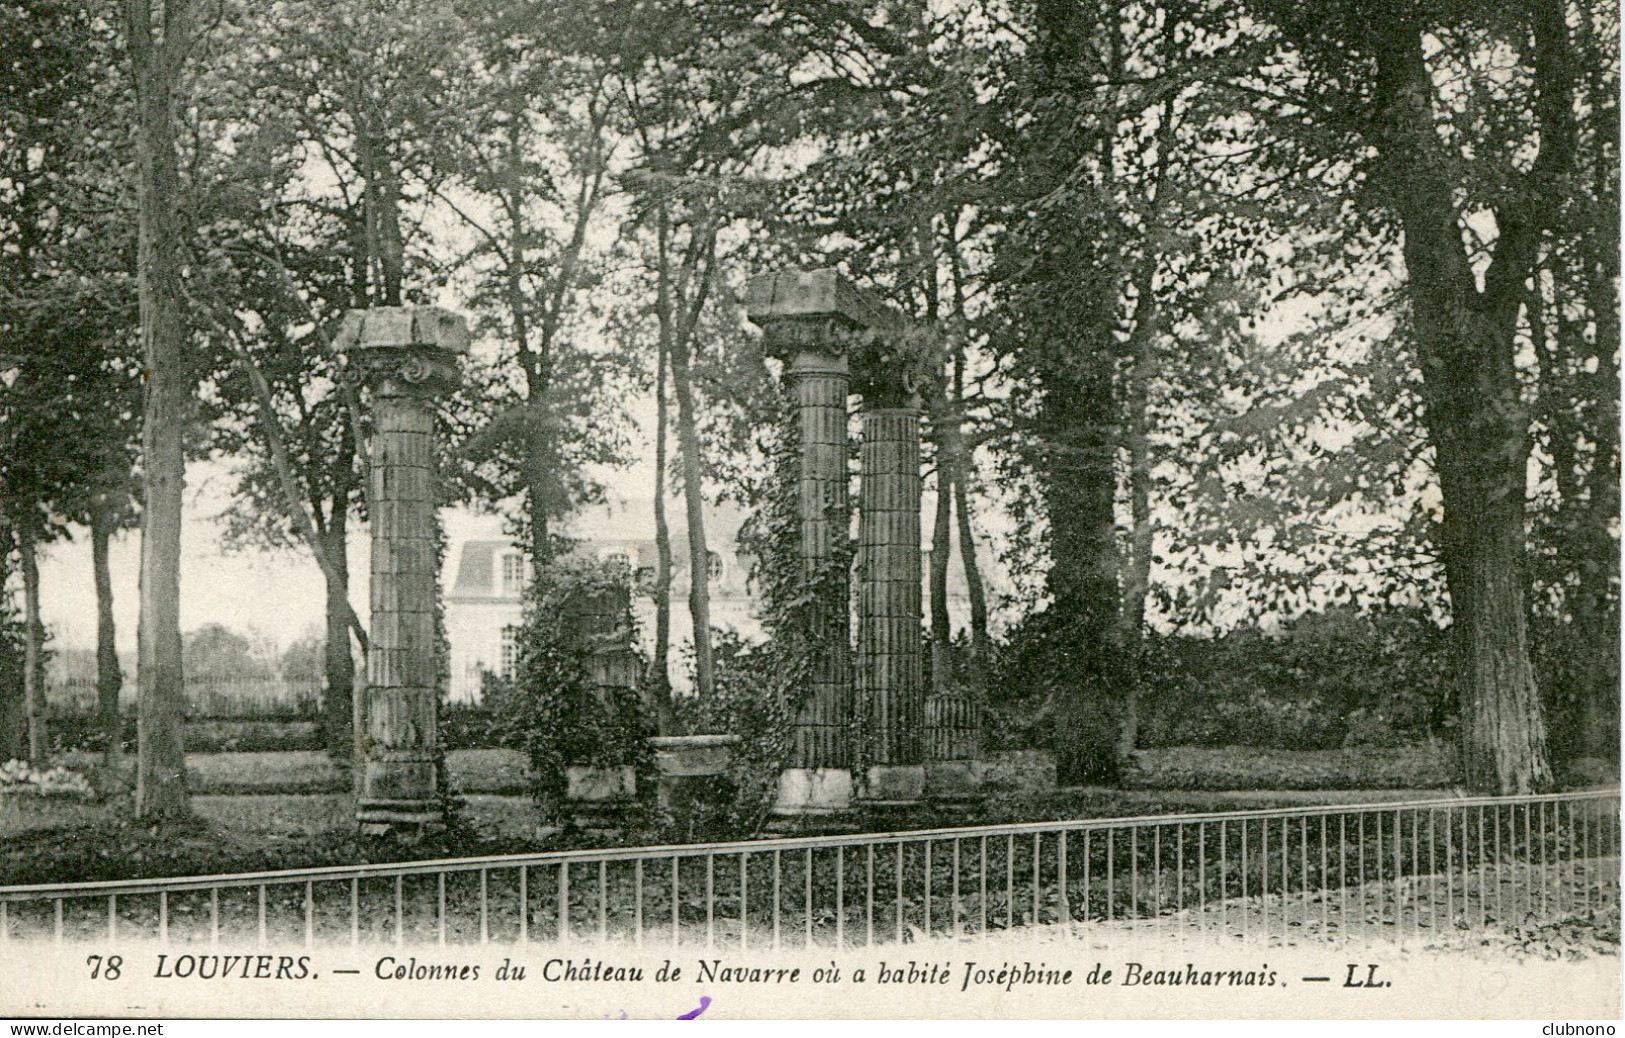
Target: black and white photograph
[810,509]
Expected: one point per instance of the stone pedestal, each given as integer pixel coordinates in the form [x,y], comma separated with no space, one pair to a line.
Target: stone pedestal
[813,791]
[957,782]
[407,356]
[600,799]
[694,786]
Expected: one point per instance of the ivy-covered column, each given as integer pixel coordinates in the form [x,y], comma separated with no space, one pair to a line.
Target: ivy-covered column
[407,356]
[809,317]
[890,673]
[601,788]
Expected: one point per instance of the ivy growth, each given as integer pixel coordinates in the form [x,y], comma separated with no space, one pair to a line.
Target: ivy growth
[761,689]
[553,709]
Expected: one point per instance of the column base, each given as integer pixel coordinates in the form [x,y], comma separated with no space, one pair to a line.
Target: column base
[894,785]
[600,798]
[894,797]
[379,817]
[813,793]
[955,782]
[400,777]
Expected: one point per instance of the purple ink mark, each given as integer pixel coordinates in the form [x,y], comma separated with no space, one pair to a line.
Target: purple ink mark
[693,1014]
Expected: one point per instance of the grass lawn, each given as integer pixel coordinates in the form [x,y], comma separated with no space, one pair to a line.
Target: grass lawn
[291,809]
[502,772]
[53,840]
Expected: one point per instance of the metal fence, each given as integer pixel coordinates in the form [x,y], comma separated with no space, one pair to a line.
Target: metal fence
[1396,871]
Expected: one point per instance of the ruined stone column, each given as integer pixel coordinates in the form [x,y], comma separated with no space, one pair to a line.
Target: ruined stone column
[407,356]
[808,317]
[891,682]
[600,796]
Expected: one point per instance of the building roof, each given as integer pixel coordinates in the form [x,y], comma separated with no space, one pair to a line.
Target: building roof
[476,567]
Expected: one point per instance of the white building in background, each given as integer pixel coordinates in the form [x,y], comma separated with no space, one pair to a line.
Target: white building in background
[484,601]
[485,606]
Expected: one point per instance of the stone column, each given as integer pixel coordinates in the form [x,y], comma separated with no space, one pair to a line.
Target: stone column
[954,766]
[891,684]
[407,356]
[808,316]
[818,382]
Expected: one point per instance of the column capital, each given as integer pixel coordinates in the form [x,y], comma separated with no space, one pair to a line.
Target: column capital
[404,350]
[816,311]
[893,370]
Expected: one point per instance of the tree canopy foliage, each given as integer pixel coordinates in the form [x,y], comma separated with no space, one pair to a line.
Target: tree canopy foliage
[1238,313]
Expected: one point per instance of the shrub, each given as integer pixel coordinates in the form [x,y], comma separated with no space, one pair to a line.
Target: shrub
[1321,681]
[552,710]
[755,698]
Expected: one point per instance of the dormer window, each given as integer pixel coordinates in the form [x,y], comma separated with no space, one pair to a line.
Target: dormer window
[513,573]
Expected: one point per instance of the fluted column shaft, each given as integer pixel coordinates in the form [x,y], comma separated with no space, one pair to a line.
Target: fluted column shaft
[819,384]
[401,729]
[890,670]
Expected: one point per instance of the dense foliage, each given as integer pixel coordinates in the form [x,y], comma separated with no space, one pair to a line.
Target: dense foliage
[552,709]
[1290,328]
[1320,681]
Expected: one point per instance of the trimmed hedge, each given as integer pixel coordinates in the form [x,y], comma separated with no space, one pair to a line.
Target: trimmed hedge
[1323,681]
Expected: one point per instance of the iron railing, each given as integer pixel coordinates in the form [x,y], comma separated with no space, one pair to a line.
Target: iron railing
[1379,871]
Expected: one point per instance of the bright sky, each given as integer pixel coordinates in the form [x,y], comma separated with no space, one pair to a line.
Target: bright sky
[273,597]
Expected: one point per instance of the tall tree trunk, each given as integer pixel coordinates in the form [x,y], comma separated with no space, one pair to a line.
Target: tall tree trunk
[1071,313]
[1138,584]
[338,685]
[942,632]
[13,700]
[961,464]
[157,62]
[1079,485]
[109,679]
[33,644]
[699,555]
[681,297]
[981,645]
[942,644]
[661,663]
[538,461]
[539,483]
[1477,423]
[1137,437]
[381,199]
